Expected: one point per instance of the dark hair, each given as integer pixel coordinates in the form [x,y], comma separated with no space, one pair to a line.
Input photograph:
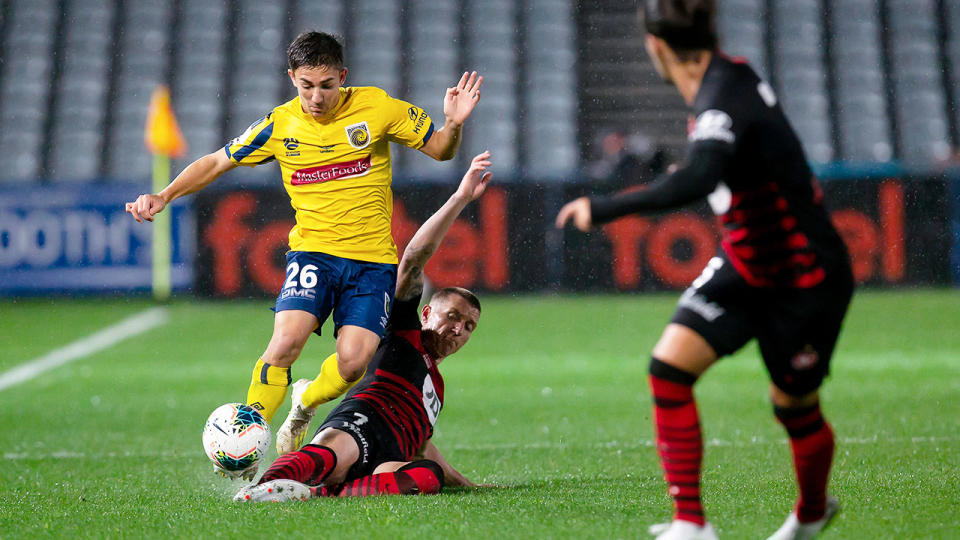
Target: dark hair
[314,49]
[686,25]
[459,291]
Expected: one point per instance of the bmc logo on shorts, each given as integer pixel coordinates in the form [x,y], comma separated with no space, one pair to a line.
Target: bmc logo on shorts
[336,171]
[805,359]
[294,292]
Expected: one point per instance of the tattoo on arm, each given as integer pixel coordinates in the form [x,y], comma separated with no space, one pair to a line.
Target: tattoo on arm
[410,282]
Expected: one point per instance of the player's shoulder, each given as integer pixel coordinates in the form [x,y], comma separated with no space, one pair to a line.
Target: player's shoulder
[367,94]
[287,110]
[726,84]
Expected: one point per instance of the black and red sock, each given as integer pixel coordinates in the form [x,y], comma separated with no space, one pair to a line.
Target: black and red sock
[679,440]
[418,477]
[811,441]
[309,465]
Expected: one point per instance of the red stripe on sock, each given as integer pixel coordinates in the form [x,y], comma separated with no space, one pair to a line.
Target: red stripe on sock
[680,446]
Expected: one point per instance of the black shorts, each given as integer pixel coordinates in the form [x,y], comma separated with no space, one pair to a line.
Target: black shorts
[373,437]
[797,329]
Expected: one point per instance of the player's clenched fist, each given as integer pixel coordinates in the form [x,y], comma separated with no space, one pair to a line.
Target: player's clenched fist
[577,210]
[146,206]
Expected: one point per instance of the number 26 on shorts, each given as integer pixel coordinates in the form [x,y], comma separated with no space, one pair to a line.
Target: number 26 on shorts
[306,276]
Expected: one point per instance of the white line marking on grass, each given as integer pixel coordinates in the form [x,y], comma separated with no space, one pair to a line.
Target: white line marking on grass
[632,445]
[104,339]
[646,443]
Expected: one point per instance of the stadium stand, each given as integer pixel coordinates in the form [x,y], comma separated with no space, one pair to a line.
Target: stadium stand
[200,72]
[492,49]
[374,52]
[861,98]
[80,93]
[862,80]
[141,64]
[919,100]
[25,86]
[800,73]
[549,89]
[742,28]
[434,43]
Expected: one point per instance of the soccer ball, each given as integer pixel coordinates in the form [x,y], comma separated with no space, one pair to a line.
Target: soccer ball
[236,436]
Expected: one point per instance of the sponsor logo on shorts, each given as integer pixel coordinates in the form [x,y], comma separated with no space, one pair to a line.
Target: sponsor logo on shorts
[364,445]
[805,359]
[295,292]
[358,135]
[336,171]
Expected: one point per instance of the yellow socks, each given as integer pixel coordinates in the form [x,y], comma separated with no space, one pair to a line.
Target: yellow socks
[328,385]
[268,388]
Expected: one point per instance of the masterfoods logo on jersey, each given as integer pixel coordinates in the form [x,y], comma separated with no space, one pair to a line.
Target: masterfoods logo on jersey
[336,171]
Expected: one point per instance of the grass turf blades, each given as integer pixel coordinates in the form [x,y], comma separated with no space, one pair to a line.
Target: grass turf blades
[555,410]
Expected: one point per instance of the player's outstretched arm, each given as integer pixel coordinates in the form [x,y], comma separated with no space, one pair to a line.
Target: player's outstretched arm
[427,239]
[693,181]
[458,103]
[195,177]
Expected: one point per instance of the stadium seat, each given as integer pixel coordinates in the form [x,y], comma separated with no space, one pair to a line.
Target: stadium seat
[25,86]
[548,89]
[323,16]
[375,45]
[800,73]
[918,85]
[741,32]
[143,43]
[491,50]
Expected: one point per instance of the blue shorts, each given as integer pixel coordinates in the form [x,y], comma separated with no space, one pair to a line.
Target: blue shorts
[358,293]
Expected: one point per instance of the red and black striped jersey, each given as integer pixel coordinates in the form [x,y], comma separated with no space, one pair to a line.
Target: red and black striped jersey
[776,231]
[402,383]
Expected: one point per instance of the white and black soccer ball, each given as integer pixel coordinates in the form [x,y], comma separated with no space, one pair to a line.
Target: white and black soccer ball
[236,436]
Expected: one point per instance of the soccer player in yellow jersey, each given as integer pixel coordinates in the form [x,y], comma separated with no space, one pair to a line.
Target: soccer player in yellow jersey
[332,144]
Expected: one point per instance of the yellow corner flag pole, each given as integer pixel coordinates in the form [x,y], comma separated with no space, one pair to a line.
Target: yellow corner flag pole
[164,140]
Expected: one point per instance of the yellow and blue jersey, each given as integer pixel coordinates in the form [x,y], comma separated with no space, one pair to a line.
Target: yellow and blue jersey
[337,172]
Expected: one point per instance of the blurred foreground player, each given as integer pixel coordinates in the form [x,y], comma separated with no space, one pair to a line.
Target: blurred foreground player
[377,440]
[782,276]
[333,146]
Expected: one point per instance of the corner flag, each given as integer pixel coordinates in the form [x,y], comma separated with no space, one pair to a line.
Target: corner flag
[164,140]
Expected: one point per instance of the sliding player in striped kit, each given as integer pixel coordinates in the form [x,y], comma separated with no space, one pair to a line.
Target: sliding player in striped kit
[377,440]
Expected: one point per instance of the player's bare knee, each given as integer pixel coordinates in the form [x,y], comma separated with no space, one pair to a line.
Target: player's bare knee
[284,349]
[352,360]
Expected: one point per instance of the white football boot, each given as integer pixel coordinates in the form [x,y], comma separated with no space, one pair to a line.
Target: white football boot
[792,529]
[293,430]
[683,530]
[280,490]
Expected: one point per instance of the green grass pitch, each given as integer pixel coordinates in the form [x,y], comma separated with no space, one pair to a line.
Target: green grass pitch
[548,401]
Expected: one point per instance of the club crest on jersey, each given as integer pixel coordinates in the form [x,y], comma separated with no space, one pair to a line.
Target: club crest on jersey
[358,135]
[290,143]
